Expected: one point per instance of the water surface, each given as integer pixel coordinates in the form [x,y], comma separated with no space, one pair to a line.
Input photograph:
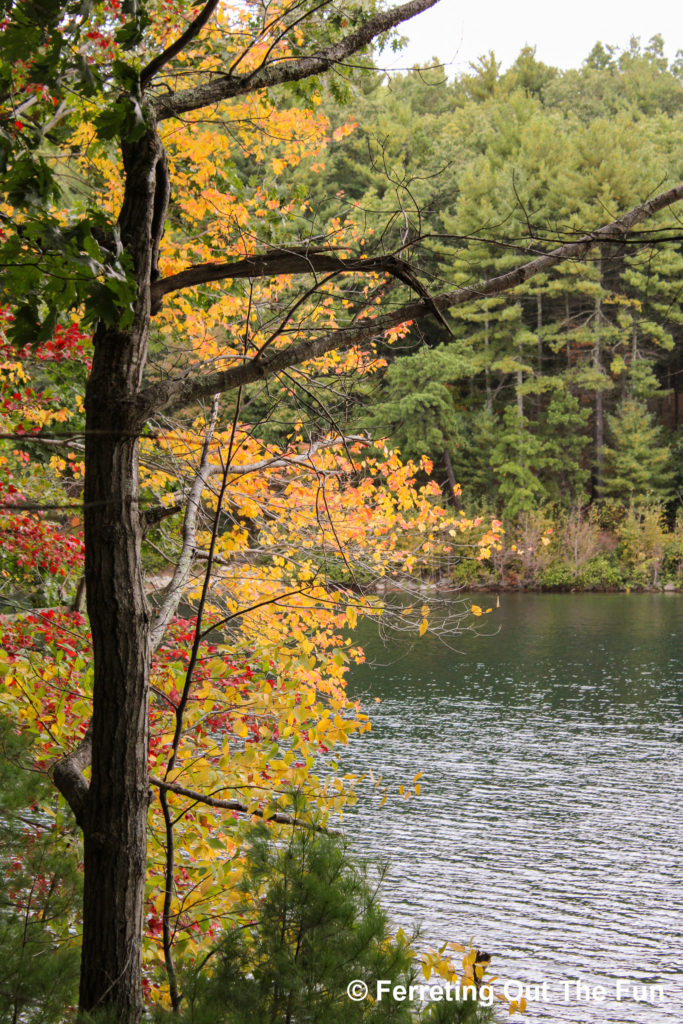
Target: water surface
[549,825]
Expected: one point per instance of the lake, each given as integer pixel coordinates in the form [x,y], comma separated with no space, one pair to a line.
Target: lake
[550,821]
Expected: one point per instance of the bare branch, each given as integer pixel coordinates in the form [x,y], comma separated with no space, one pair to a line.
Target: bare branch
[174,394]
[193,30]
[291,460]
[281,71]
[79,599]
[175,589]
[278,262]
[168,901]
[227,805]
[153,516]
[198,635]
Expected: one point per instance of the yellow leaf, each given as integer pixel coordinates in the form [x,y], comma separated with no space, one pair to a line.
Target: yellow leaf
[476,610]
[424,626]
[417,777]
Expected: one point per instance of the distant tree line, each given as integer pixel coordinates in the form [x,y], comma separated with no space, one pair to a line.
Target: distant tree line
[566,391]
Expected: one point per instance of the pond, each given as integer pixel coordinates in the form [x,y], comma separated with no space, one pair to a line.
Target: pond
[550,821]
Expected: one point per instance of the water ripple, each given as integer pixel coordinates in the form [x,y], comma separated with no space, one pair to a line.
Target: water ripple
[550,822]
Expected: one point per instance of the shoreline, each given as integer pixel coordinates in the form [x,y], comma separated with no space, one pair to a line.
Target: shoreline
[516,588]
[424,588]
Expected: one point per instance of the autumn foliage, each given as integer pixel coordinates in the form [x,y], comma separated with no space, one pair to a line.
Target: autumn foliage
[262,538]
[182,339]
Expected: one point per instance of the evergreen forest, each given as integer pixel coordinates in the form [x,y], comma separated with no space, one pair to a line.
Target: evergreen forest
[558,404]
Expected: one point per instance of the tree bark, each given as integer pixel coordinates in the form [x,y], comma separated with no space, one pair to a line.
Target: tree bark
[539,349]
[115,816]
[487,369]
[115,825]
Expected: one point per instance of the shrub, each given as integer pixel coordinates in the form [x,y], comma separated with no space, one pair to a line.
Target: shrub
[672,564]
[642,539]
[601,573]
[558,577]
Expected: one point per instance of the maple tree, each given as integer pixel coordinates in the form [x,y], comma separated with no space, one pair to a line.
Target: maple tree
[149,237]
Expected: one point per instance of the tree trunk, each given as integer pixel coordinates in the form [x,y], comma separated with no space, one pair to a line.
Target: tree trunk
[452,482]
[599,404]
[539,350]
[487,372]
[635,355]
[519,376]
[115,817]
[519,381]
[569,344]
[115,826]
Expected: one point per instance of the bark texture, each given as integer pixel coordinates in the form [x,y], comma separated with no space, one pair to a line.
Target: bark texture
[115,813]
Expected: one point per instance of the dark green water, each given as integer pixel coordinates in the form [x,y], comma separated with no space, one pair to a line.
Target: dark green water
[550,822]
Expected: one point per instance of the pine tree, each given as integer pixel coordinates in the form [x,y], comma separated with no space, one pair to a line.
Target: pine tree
[38,894]
[534,155]
[415,405]
[516,460]
[308,925]
[638,463]
[566,438]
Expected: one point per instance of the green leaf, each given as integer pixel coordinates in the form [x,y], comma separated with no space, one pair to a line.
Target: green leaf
[110,122]
[31,182]
[126,74]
